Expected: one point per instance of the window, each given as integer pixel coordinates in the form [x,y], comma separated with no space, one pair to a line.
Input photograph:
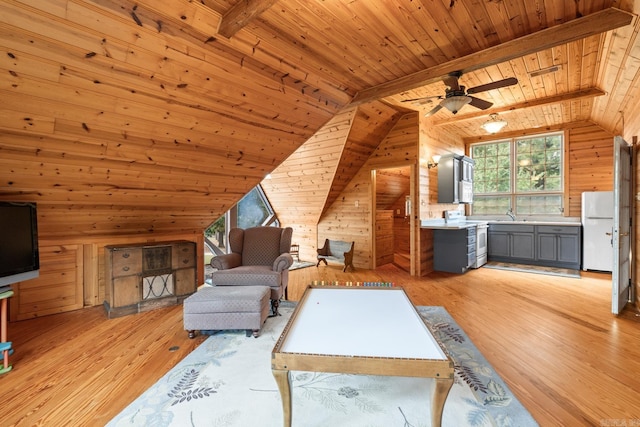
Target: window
[251,211]
[522,174]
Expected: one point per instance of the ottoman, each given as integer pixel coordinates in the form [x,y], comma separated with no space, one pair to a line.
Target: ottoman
[227,307]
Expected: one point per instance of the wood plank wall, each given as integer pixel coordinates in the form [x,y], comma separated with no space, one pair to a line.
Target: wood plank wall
[385,237]
[350,217]
[72,274]
[308,182]
[433,141]
[590,151]
[298,189]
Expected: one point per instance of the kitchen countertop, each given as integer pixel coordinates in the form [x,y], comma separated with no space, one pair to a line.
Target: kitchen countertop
[441,224]
[517,222]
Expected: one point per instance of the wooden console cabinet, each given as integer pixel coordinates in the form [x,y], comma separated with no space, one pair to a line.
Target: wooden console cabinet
[141,277]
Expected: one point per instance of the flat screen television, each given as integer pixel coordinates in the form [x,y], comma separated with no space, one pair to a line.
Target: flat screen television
[19,256]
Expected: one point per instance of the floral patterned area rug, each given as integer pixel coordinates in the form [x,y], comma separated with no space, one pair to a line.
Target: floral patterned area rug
[227,381]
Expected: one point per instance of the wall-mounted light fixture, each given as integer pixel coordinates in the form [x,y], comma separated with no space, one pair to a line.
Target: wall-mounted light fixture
[494,124]
[433,162]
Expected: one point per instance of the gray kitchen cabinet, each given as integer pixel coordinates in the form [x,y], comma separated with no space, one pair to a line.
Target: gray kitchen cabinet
[511,243]
[559,246]
[454,251]
[455,179]
[548,245]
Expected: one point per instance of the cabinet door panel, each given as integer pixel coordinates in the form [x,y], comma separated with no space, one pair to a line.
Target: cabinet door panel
[183,255]
[523,245]
[568,248]
[185,281]
[126,291]
[498,244]
[547,247]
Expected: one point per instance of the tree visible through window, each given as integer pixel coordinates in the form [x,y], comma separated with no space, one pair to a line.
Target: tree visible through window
[251,211]
[523,174]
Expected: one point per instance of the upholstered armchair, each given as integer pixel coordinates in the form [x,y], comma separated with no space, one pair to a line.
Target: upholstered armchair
[259,257]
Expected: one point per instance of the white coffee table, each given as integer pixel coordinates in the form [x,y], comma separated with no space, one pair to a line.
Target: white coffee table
[360,330]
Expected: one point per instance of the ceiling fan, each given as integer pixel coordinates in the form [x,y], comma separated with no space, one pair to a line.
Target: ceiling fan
[456,96]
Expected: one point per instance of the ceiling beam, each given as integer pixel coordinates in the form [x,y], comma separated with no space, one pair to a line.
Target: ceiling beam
[527,132]
[570,31]
[241,14]
[571,96]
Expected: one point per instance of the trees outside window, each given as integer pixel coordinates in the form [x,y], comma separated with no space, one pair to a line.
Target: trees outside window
[522,174]
[251,211]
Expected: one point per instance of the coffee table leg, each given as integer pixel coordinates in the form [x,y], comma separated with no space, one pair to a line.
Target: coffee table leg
[282,379]
[440,390]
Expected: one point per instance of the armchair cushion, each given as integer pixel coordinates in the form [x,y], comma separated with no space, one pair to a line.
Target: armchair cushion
[252,275]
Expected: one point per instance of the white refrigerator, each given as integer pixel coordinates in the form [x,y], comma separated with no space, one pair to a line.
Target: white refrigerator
[597,230]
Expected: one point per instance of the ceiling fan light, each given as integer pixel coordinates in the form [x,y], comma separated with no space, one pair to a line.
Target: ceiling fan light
[494,124]
[455,103]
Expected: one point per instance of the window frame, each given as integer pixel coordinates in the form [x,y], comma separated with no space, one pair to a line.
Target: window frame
[231,218]
[513,193]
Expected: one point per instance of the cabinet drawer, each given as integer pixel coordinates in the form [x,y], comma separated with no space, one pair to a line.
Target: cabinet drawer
[126,261]
[471,240]
[558,229]
[184,255]
[512,228]
[471,258]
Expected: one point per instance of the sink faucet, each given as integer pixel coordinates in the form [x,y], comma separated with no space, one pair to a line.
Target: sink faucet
[511,214]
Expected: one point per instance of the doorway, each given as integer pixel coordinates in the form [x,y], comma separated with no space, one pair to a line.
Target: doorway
[392,217]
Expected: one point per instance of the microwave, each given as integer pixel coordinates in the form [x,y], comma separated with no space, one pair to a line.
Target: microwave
[465,191]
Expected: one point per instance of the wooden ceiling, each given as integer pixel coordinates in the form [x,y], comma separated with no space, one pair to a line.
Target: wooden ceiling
[153,116]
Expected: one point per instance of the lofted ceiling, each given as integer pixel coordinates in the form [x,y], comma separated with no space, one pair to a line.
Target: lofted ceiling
[147,114]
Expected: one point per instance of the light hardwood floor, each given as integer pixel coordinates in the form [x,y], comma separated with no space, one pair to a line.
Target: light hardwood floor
[553,340]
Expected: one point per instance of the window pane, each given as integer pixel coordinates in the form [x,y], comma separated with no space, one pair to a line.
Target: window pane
[490,205]
[491,165]
[539,205]
[252,210]
[537,169]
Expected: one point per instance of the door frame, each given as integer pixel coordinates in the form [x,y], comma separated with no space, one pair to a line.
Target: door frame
[621,286]
[412,218]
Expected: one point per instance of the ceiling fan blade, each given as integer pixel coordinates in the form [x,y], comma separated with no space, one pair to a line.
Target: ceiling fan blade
[495,85]
[480,103]
[433,111]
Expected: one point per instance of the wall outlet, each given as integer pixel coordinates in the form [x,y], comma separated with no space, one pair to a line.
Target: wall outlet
[357,204]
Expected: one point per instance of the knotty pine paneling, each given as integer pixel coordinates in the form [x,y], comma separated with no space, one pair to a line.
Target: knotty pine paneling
[351,216]
[303,186]
[590,151]
[384,240]
[72,274]
[59,287]
[298,188]
[135,129]
[433,141]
